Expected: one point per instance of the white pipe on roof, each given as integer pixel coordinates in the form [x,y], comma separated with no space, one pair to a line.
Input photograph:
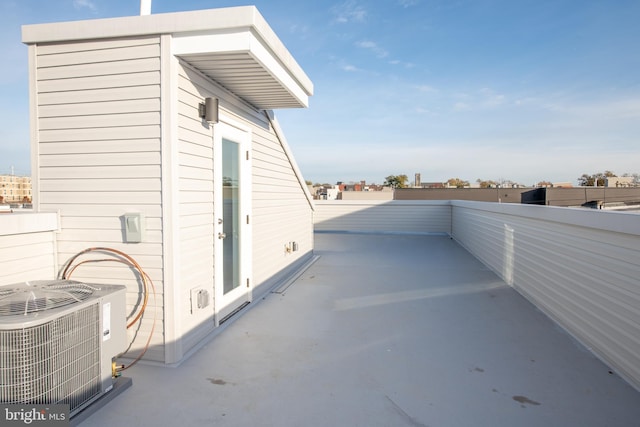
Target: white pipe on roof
[145,7]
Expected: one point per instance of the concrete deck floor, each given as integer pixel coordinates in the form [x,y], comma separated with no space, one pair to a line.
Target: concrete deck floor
[383,330]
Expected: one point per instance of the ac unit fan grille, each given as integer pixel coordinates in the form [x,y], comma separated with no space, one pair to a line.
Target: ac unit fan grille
[56,362]
[27,298]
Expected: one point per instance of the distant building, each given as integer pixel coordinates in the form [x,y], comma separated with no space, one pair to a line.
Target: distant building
[385,193]
[592,197]
[15,189]
[360,186]
[431,185]
[562,185]
[620,181]
[501,195]
[325,192]
[360,191]
[547,184]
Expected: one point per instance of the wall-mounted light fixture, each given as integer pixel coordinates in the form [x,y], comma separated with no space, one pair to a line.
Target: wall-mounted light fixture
[208,110]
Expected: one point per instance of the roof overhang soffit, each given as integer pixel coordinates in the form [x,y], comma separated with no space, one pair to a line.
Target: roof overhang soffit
[242,63]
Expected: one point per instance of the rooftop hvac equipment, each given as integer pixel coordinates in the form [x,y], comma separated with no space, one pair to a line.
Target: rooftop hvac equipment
[58,340]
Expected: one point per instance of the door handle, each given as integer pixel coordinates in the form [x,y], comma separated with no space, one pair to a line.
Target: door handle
[221,235]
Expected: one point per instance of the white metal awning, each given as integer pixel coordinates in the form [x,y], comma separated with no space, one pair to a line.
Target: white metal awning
[244,64]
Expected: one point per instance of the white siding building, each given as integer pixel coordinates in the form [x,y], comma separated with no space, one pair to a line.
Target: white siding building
[116,130]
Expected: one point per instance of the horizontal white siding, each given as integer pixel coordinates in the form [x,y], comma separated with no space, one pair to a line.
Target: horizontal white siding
[281,212]
[98,157]
[195,211]
[383,216]
[27,247]
[579,266]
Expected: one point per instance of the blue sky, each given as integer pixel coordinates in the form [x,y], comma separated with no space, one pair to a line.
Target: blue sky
[475,89]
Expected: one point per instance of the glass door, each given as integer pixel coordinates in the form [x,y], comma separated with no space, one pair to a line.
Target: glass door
[231,249]
[231,208]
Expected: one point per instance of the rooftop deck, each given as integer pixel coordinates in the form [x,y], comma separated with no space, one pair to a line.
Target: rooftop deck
[383,330]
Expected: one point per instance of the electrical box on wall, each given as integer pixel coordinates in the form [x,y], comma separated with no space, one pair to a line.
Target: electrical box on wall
[291,247]
[134,227]
[200,298]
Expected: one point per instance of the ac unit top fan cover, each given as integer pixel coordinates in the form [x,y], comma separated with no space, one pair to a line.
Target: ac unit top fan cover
[28,302]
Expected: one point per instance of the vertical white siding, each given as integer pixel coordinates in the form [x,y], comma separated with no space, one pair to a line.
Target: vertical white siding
[383,216]
[97,156]
[579,266]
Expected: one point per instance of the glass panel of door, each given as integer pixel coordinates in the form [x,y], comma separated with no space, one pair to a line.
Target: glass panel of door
[231,215]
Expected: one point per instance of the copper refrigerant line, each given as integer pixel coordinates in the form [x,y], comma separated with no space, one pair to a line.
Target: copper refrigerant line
[146,284]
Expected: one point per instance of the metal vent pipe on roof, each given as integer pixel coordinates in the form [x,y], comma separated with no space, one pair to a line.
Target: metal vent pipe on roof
[145,7]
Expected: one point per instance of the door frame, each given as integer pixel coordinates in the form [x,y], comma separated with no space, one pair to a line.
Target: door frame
[225,305]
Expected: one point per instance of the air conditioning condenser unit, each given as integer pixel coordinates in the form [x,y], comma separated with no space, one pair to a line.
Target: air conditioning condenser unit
[58,339]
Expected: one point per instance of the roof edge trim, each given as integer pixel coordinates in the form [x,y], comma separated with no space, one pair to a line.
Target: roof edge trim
[209,20]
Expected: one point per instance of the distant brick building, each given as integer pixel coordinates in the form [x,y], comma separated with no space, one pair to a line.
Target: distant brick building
[15,189]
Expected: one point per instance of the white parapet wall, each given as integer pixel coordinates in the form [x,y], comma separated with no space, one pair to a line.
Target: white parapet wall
[27,247]
[580,266]
[395,216]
